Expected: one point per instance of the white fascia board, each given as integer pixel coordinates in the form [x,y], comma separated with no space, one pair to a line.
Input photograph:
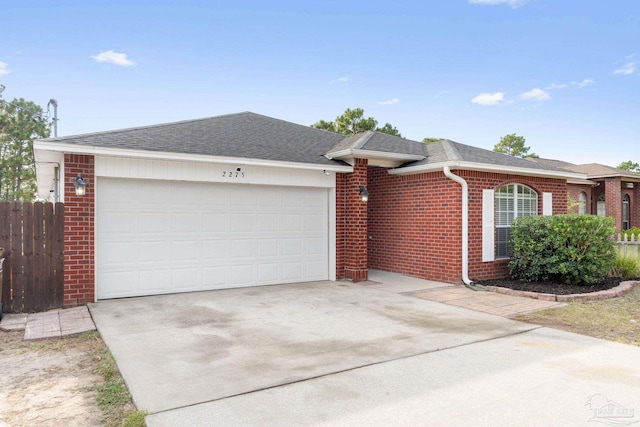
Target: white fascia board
[162,155]
[370,154]
[484,167]
[623,177]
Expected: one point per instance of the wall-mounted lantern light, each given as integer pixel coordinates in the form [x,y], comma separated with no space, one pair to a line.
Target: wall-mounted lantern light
[364,194]
[80,185]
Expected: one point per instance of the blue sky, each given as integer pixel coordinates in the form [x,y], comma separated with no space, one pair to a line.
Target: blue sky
[564,74]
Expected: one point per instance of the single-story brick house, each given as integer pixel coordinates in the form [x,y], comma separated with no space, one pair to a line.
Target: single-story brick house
[607,191]
[245,200]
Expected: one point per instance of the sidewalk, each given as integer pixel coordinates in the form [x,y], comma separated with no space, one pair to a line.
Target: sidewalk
[50,324]
[456,295]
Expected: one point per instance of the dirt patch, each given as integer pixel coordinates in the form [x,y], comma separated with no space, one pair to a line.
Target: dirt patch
[553,288]
[48,382]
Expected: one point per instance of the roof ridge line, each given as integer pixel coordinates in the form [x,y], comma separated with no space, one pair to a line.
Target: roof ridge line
[450,150]
[363,140]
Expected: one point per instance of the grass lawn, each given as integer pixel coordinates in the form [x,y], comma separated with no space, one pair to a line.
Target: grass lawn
[616,319]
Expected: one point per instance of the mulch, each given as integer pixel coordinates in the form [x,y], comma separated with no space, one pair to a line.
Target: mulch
[553,288]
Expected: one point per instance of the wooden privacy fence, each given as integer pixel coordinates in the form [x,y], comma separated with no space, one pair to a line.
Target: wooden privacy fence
[32,235]
[629,246]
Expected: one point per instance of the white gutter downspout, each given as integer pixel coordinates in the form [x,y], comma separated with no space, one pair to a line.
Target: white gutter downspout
[465,229]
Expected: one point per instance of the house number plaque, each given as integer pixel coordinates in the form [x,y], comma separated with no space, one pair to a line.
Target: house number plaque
[233,174]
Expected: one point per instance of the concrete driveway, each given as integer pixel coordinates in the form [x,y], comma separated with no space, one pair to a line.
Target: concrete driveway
[336,353]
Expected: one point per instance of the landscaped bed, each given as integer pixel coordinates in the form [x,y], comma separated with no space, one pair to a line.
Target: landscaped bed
[553,287]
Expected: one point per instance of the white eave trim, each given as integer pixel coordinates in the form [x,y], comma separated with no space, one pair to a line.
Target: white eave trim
[370,154]
[182,157]
[484,167]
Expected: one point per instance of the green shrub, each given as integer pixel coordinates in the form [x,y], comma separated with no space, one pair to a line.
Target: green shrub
[572,249]
[625,267]
[635,231]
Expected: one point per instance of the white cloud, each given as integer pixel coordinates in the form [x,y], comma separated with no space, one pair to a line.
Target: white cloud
[554,86]
[583,83]
[512,3]
[343,80]
[536,94]
[487,98]
[4,69]
[389,102]
[114,58]
[626,69]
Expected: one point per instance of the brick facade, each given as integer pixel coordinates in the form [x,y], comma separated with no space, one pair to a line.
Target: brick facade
[635,205]
[415,222]
[354,228]
[410,225]
[573,196]
[479,181]
[613,199]
[79,211]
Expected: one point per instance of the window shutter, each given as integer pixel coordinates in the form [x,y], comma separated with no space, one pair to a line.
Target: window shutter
[547,204]
[488,231]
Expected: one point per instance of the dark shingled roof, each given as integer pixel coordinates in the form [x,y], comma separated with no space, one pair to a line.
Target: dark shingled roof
[246,135]
[379,141]
[446,150]
[254,136]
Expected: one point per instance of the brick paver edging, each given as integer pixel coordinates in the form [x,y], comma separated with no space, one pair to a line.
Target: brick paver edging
[621,289]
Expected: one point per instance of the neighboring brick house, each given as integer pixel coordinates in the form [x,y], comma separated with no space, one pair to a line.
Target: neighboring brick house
[247,200]
[607,191]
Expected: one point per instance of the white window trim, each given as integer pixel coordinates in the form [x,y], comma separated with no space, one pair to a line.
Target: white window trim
[488,225]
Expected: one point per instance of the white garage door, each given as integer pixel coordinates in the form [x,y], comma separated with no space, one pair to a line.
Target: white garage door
[157,237]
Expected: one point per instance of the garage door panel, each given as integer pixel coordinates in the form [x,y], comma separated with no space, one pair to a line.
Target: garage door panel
[242,223]
[314,246]
[151,240]
[185,250]
[292,271]
[149,222]
[315,270]
[214,277]
[242,275]
[268,273]
[185,223]
[185,279]
[291,247]
[153,281]
[153,252]
[214,250]
[215,222]
[291,223]
[119,222]
[268,248]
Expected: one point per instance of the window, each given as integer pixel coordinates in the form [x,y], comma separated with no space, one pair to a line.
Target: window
[582,203]
[511,202]
[625,212]
[602,211]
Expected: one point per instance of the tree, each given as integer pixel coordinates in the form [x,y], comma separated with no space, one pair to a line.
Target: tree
[354,121]
[390,129]
[513,145]
[20,123]
[629,166]
[430,140]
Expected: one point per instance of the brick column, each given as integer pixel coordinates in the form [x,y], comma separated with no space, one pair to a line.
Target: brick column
[634,209]
[613,200]
[355,225]
[79,213]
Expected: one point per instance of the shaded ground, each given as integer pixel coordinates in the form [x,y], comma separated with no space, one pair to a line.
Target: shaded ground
[48,382]
[553,288]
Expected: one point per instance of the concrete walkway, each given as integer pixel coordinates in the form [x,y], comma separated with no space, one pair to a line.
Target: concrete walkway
[459,296]
[50,324]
